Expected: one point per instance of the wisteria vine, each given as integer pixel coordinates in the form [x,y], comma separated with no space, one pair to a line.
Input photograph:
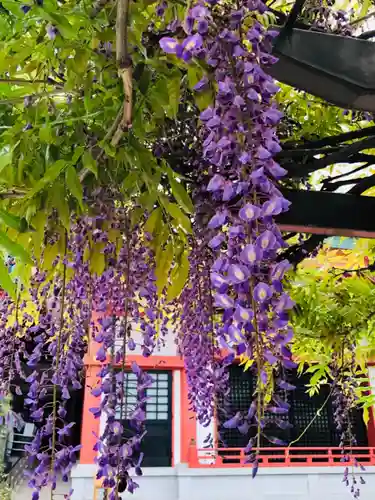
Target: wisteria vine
[239,140]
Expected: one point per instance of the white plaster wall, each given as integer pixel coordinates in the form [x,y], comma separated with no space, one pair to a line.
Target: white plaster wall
[202,434]
[165,347]
[83,481]
[182,483]
[23,492]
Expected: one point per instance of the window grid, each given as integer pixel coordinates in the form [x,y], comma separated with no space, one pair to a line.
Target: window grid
[157,406]
[303,408]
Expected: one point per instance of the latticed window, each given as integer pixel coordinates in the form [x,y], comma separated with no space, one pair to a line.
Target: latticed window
[157,443]
[303,408]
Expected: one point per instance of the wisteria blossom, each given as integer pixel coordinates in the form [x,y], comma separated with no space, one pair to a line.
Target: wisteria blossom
[239,141]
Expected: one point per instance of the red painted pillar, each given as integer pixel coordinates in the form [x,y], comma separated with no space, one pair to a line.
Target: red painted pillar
[90,425]
[188,421]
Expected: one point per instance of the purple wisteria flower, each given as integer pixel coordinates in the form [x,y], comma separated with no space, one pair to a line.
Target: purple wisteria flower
[249,212]
[52,31]
[251,254]
[237,273]
[223,301]
[239,141]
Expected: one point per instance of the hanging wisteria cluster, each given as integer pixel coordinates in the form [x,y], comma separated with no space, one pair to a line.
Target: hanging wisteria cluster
[78,301]
[344,396]
[103,290]
[239,141]
[197,340]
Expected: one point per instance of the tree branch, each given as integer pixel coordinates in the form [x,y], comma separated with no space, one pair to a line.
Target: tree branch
[362,19]
[108,136]
[23,81]
[34,96]
[344,155]
[332,180]
[98,6]
[363,185]
[332,140]
[370,268]
[13,193]
[124,65]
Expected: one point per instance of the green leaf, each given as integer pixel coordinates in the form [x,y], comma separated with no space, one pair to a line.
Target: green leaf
[14,249]
[78,152]
[5,159]
[49,255]
[46,134]
[97,259]
[203,99]
[62,23]
[61,203]
[155,216]
[163,265]
[366,4]
[176,212]
[39,221]
[179,277]
[181,195]
[74,185]
[6,281]
[20,224]
[90,163]
[51,175]
[194,74]
[174,92]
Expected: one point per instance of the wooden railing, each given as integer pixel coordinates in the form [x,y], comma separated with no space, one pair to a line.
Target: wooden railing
[280,457]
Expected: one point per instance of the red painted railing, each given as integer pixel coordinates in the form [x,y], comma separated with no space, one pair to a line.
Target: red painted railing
[279,457]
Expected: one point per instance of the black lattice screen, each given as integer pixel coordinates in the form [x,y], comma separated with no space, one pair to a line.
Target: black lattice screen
[303,409]
[157,443]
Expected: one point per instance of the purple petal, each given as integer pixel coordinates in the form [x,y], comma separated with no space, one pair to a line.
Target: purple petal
[223,301]
[169,45]
[218,219]
[233,422]
[249,212]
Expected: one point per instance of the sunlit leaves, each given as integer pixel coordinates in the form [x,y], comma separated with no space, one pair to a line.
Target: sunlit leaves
[178,215]
[164,260]
[74,185]
[60,201]
[153,220]
[51,174]
[19,224]
[6,281]
[179,276]
[5,160]
[90,163]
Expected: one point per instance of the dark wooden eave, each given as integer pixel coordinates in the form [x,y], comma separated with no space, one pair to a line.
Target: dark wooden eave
[325,213]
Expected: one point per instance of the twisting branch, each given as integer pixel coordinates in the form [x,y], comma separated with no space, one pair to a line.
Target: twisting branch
[124,64]
[23,81]
[331,140]
[108,136]
[370,268]
[98,6]
[345,154]
[331,181]
[292,18]
[14,193]
[362,19]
